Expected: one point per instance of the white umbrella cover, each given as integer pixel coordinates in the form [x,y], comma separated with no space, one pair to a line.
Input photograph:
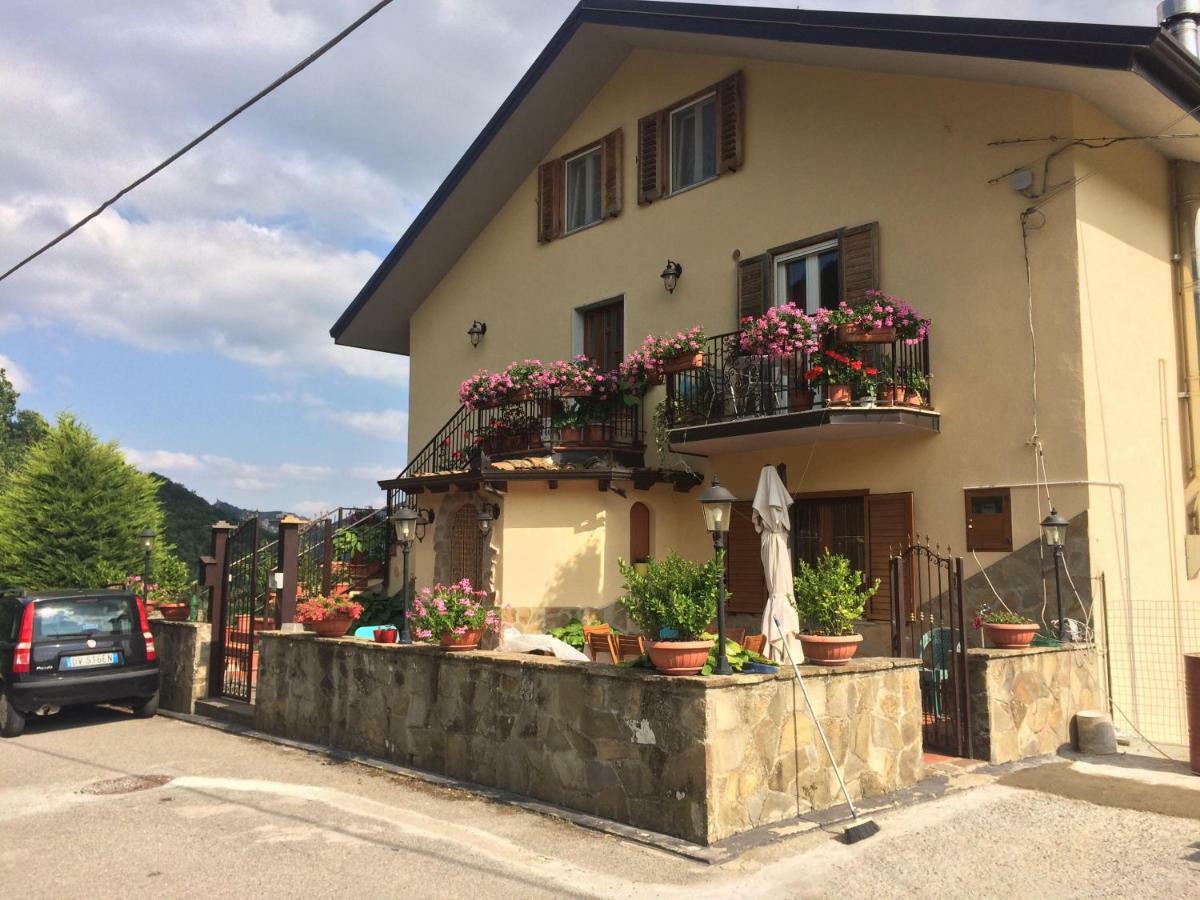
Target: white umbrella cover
[772,518]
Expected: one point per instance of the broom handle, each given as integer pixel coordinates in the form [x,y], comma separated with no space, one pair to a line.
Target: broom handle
[787,646]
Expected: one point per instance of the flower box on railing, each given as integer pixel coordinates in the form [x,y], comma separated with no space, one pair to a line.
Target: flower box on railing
[858,334]
[685,363]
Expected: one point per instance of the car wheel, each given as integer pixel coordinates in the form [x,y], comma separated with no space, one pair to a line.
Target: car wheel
[146,709]
[12,722]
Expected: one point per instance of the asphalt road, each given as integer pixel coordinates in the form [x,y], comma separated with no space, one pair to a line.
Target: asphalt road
[97,804]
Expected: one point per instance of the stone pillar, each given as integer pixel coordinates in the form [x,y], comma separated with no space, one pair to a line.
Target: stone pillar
[220,540]
[289,547]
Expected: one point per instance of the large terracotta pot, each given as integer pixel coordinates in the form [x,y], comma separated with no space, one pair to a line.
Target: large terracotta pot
[829,650]
[461,642]
[593,433]
[336,627]
[799,399]
[678,657]
[1011,637]
[684,363]
[570,434]
[856,334]
[838,395]
[174,612]
[914,398]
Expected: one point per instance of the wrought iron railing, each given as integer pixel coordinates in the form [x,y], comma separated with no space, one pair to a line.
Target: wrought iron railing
[342,550]
[732,384]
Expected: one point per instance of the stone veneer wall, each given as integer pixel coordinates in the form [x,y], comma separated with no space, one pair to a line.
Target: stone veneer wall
[698,758]
[1023,701]
[183,649]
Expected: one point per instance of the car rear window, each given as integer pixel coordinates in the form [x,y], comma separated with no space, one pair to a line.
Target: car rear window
[75,616]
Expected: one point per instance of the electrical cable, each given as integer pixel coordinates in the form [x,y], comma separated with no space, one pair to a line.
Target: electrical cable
[204,135]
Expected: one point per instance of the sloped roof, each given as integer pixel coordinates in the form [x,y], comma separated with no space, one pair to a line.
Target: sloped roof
[1140,77]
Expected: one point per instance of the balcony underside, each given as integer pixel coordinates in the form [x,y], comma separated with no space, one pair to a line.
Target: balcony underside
[797,429]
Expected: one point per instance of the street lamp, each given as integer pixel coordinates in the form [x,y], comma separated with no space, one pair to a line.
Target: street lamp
[146,536]
[717,504]
[1054,535]
[405,520]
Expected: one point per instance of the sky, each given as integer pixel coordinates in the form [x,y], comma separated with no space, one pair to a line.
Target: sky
[190,324]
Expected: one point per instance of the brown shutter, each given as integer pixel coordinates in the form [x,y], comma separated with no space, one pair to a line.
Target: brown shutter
[652,153]
[890,527]
[611,152]
[730,123]
[859,251]
[754,282]
[743,563]
[550,200]
[639,532]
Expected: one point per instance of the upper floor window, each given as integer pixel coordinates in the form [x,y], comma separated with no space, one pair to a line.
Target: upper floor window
[810,277]
[694,143]
[583,190]
[580,188]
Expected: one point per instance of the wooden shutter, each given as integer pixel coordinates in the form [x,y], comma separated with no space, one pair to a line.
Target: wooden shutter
[743,563]
[639,532]
[550,200]
[611,152]
[859,252]
[652,156]
[730,123]
[754,282]
[890,528]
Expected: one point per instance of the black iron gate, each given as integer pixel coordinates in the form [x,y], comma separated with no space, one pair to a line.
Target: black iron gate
[247,608]
[928,623]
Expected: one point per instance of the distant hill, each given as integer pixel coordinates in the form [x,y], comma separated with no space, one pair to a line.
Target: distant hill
[189,518]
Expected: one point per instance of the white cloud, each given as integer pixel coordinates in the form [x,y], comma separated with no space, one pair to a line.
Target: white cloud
[387,424]
[16,375]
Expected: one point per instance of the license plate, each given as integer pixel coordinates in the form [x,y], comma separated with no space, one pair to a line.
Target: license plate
[90,660]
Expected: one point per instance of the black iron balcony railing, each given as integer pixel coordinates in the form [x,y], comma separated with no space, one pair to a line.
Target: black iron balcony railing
[732,384]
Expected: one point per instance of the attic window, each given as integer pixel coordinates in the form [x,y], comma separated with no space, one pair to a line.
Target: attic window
[580,188]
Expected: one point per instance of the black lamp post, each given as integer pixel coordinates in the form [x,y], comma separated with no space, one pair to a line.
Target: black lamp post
[717,504]
[1054,534]
[405,520]
[146,536]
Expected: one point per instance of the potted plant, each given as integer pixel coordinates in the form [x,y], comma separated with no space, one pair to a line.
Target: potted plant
[841,373]
[485,390]
[673,601]
[455,615]
[328,616]
[525,376]
[830,598]
[569,422]
[643,368]
[683,351]
[1007,630]
[385,635]
[916,385]
[866,385]
[801,395]
[780,331]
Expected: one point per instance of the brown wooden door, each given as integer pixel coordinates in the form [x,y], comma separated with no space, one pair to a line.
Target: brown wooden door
[891,528]
[743,563]
[604,335]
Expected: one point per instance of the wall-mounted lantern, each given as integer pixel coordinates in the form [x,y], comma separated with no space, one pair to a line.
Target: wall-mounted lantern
[476,331]
[670,275]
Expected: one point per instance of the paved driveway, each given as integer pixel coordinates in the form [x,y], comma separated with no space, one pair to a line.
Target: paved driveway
[98,804]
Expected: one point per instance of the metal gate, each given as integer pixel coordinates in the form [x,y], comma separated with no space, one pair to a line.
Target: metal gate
[246,610]
[928,623]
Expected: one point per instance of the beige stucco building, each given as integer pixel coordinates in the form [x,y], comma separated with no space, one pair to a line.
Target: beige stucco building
[1024,186]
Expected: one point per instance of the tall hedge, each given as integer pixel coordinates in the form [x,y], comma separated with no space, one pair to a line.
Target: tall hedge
[71,512]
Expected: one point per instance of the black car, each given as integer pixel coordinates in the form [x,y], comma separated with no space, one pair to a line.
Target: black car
[64,648]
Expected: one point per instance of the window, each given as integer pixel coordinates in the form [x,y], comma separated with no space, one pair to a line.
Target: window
[466,556]
[604,334]
[989,520]
[694,143]
[809,277]
[583,190]
[77,617]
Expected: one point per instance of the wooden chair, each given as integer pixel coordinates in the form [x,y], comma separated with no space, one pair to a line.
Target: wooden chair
[736,634]
[755,643]
[630,646]
[601,646]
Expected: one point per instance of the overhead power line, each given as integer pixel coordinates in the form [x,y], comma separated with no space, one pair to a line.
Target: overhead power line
[207,133]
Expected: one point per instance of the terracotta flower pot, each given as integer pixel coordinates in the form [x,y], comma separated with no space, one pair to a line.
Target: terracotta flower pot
[838,395]
[386,635]
[174,612]
[568,390]
[892,396]
[678,657]
[857,334]
[829,650]
[520,395]
[800,399]
[654,377]
[336,627]
[461,642]
[570,434]
[684,363]
[1010,637]
[914,398]
[593,433]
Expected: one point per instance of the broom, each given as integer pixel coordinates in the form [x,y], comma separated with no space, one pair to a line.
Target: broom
[862,827]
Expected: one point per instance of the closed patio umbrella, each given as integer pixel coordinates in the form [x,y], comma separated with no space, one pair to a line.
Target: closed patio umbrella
[772,518]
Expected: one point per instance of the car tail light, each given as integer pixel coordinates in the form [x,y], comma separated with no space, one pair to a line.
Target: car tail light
[24,650]
[151,655]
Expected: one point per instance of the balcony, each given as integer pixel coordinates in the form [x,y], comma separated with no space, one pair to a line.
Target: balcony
[738,402]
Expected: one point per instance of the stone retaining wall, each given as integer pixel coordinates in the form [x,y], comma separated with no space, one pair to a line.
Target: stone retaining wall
[698,758]
[183,653]
[1023,701]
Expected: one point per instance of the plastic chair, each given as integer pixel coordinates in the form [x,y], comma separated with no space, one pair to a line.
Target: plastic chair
[938,643]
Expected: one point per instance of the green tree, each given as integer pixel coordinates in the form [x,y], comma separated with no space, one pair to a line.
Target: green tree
[20,429]
[72,510]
